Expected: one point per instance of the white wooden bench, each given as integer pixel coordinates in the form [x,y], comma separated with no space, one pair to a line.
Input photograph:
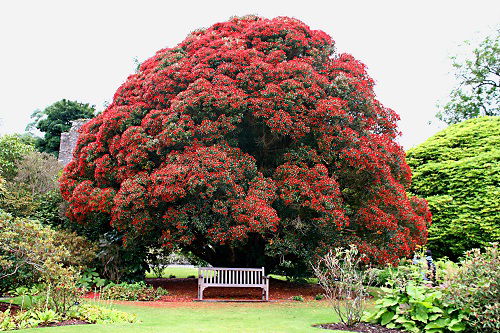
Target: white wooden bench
[232,277]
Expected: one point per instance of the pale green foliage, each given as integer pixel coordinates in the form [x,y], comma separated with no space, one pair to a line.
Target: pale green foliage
[479,82]
[20,246]
[90,313]
[458,171]
[12,149]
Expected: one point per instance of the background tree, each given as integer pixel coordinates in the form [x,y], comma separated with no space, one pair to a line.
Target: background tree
[12,149]
[458,172]
[477,93]
[56,119]
[251,143]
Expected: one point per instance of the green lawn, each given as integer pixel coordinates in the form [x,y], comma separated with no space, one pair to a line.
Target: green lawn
[178,272]
[215,317]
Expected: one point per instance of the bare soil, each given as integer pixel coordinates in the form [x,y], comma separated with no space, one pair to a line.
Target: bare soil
[13,307]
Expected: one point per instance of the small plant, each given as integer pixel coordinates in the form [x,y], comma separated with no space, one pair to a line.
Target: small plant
[298,298]
[171,276]
[45,317]
[319,297]
[191,277]
[132,292]
[90,278]
[340,274]
[99,315]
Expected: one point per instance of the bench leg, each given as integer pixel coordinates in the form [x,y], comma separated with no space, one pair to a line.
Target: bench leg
[200,293]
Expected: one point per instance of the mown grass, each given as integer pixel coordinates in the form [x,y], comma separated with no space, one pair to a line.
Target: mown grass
[178,272]
[214,317]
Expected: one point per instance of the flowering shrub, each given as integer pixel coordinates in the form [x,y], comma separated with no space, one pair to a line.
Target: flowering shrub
[250,143]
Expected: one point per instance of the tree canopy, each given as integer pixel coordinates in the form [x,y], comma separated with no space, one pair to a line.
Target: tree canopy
[458,172]
[56,119]
[477,92]
[251,143]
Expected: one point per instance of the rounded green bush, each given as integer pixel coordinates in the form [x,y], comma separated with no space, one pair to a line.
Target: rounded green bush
[458,172]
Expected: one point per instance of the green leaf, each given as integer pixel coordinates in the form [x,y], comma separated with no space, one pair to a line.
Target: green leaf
[440,323]
[457,327]
[420,314]
[387,317]
[389,302]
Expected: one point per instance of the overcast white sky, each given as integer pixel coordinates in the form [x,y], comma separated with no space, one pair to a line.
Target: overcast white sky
[83,50]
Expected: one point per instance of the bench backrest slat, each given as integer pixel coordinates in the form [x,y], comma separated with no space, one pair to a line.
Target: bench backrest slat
[231,276]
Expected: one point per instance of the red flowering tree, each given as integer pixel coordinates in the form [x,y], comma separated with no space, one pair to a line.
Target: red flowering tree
[250,143]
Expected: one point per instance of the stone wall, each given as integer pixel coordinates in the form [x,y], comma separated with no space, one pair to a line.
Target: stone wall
[68,141]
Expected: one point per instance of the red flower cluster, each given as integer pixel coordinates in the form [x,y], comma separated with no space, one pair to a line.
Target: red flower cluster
[251,131]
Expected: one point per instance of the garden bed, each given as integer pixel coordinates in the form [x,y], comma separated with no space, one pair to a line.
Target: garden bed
[186,290]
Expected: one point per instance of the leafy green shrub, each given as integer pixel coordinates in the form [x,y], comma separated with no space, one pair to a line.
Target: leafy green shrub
[90,313]
[417,308]
[12,149]
[132,292]
[476,289]
[319,297]
[90,278]
[458,173]
[298,298]
[20,250]
[101,315]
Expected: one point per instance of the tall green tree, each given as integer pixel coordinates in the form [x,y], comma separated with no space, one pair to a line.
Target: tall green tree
[56,119]
[477,92]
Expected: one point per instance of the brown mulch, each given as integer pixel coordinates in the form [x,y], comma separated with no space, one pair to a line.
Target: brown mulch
[13,307]
[186,290]
[361,327]
[66,323]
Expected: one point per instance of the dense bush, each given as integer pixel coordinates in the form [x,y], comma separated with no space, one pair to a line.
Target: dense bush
[90,313]
[476,289]
[12,149]
[467,298]
[132,292]
[458,172]
[28,247]
[251,143]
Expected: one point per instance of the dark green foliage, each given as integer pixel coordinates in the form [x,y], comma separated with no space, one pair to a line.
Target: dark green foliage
[56,119]
[458,172]
[477,93]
